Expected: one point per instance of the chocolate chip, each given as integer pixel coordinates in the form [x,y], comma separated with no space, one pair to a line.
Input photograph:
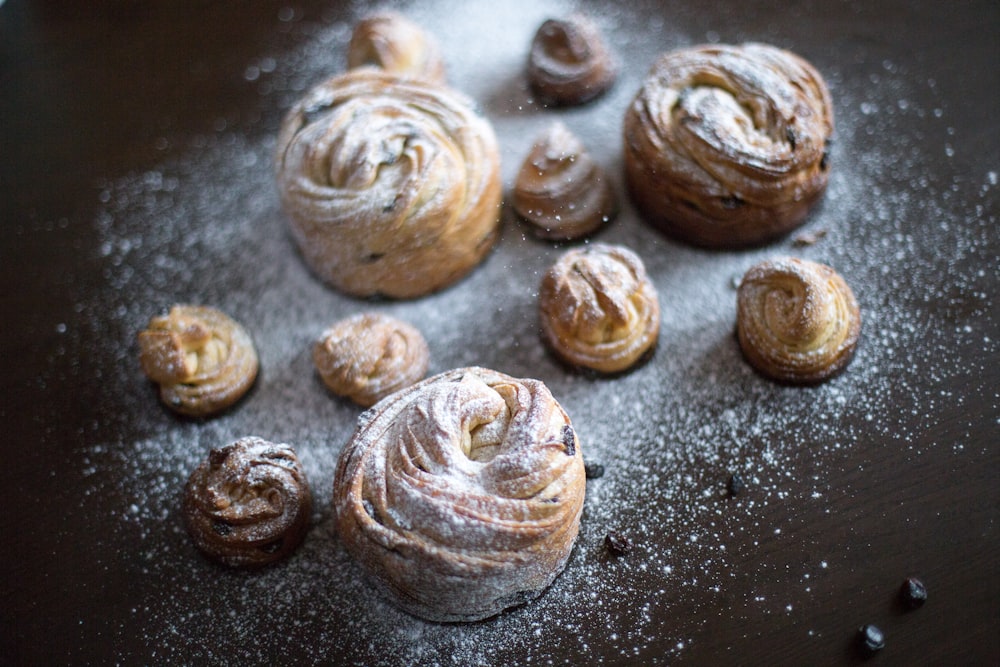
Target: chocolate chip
[222,527]
[593,470]
[617,543]
[731,202]
[913,593]
[735,485]
[870,638]
[569,440]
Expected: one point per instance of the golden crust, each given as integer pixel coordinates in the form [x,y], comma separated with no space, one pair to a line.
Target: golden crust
[391,186]
[395,44]
[726,146]
[599,309]
[569,62]
[203,360]
[248,504]
[461,495]
[797,321]
[368,356]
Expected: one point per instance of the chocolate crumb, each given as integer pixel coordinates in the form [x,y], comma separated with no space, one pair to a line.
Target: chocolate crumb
[735,485]
[617,543]
[871,639]
[593,470]
[913,593]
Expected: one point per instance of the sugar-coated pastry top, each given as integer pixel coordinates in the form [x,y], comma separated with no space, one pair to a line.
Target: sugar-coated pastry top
[569,62]
[797,321]
[202,360]
[461,495]
[396,44]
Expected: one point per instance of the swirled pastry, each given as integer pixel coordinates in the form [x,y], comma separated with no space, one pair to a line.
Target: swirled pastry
[726,146]
[395,44]
[202,360]
[461,495]
[392,186]
[797,321]
[248,503]
[569,62]
[368,356]
[599,309]
[560,190]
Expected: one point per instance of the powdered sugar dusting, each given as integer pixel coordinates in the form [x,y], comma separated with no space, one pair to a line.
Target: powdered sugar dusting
[207,228]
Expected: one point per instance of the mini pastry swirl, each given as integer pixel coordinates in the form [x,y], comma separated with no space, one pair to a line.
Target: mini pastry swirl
[368,356]
[560,190]
[569,62]
[395,44]
[248,504]
[202,360]
[599,309]
[461,495]
[392,186]
[726,146]
[797,321]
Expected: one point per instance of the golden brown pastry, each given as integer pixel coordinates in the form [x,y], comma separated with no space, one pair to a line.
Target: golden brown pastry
[392,186]
[248,504]
[569,62]
[797,321]
[395,44]
[202,360]
[726,146]
[599,309]
[560,190]
[461,495]
[368,356]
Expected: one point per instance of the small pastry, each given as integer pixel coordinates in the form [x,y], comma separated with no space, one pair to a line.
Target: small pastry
[560,190]
[726,146]
[395,44]
[248,504]
[797,321]
[569,62]
[461,495]
[599,309]
[202,360]
[391,186]
[368,356]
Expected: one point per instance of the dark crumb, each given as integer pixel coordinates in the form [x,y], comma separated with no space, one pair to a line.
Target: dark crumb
[808,238]
[735,485]
[617,543]
[913,593]
[593,470]
[871,639]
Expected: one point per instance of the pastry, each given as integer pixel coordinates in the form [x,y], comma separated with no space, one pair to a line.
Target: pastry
[202,360]
[248,504]
[368,356]
[726,146]
[461,495]
[395,44]
[797,321]
[599,309]
[569,62]
[391,186]
[560,190]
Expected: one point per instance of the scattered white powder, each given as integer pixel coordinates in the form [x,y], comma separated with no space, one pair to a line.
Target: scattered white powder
[207,228]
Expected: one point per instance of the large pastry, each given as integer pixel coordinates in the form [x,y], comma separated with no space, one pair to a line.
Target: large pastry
[391,185]
[797,321]
[598,308]
[395,44]
[461,495]
[248,504]
[726,146]
[202,360]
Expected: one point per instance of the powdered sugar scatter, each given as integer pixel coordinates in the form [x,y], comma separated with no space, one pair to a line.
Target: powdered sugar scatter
[207,228]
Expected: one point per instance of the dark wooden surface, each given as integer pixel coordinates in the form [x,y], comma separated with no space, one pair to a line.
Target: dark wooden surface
[89,90]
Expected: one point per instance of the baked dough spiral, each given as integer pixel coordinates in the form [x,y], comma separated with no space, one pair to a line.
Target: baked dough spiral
[797,321]
[395,44]
[561,190]
[392,186]
[599,310]
[726,146]
[569,63]
[248,504]
[461,495]
[203,360]
[370,355]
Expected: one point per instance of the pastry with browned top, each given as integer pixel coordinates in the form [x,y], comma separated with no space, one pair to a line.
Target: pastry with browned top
[370,355]
[202,360]
[569,62]
[396,44]
[391,185]
[248,504]
[726,146]
[461,495]
[598,308]
[797,321]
